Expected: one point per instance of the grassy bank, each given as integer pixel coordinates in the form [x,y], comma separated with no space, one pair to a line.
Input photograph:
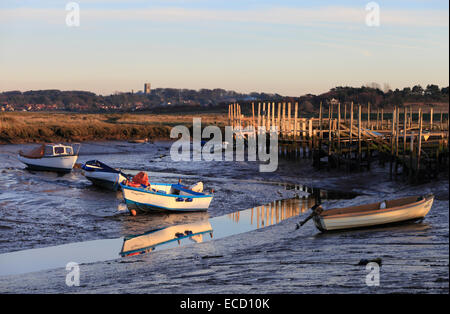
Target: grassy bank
[37,127]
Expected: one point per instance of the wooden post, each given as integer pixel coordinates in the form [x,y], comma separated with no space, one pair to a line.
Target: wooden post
[311,137]
[397,128]
[259,116]
[431,119]
[279,118]
[405,114]
[397,119]
[289,119]
[320,120]
[253,116]
[295,120]
[330,108]
[345,113]
[268,117]
[351,128]
[339,129]
[411,116]
[283,121]
[419,147]
[382,118]
[359,137]
[368,116]
[263,116]
[378,118]
[240,117]
[273,114]
[392,141]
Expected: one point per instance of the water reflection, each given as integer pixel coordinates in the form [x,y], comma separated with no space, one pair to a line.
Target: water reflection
[160,232]
[140,244]
[275,212]
[219,227]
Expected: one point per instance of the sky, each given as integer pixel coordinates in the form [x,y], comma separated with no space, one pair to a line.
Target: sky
[290,47]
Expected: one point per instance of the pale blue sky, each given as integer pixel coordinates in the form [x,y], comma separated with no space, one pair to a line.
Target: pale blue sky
[288,47]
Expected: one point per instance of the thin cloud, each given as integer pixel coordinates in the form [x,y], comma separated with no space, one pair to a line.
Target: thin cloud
[276,15]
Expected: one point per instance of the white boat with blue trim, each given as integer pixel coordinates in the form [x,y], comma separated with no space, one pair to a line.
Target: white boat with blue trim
[151,197]
[103,175]
[51,157]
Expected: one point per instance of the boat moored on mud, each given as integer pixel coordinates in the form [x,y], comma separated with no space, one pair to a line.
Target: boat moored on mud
[377,214]
[142,196]
[103,175]
[51,157]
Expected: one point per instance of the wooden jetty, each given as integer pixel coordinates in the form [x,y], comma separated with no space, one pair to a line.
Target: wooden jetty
[352,137]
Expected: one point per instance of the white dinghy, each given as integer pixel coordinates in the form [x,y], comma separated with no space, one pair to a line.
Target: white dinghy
[369,215]
[51,157]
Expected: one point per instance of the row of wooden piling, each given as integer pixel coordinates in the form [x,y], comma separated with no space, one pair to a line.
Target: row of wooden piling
[401,137]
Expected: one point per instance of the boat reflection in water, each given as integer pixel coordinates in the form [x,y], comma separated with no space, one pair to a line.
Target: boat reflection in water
[166,231]
[140,244]
[204,228]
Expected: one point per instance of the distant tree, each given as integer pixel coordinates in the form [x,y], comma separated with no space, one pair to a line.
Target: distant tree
[433,91]
[417,90]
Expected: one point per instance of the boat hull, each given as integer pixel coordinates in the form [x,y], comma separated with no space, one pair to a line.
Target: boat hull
[382,217]
[106,180]
[58,164]
[145,201]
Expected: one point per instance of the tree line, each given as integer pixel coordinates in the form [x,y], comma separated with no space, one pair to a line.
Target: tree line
[167,97]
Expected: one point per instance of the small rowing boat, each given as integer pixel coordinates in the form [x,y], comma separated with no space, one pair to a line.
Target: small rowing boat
[142,196]
[377,214]
[50,157]
[103,175]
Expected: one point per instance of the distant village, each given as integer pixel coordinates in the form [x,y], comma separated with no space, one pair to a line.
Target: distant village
[151,99]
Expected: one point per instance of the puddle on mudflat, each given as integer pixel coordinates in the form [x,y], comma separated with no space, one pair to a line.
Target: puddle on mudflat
[202,229]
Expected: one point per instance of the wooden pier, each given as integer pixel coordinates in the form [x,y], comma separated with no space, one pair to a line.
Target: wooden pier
[352,137]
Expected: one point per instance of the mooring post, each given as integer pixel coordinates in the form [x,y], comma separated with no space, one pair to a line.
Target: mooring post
[295,123]
[289,120]
[359,138]
[404,137]
[279,118]
[339,129]
[259,116]
[351,130]
[397,128]
[330,106]
[273,115]
[283,120]
[419,144]
[431,119]
[345,113]
[392,141]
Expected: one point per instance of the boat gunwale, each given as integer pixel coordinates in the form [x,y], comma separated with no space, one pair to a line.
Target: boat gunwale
[374,211]
[203,195]
[156,208]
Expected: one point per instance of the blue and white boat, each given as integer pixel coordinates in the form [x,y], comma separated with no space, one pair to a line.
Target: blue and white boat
[165,197]
[103,175]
